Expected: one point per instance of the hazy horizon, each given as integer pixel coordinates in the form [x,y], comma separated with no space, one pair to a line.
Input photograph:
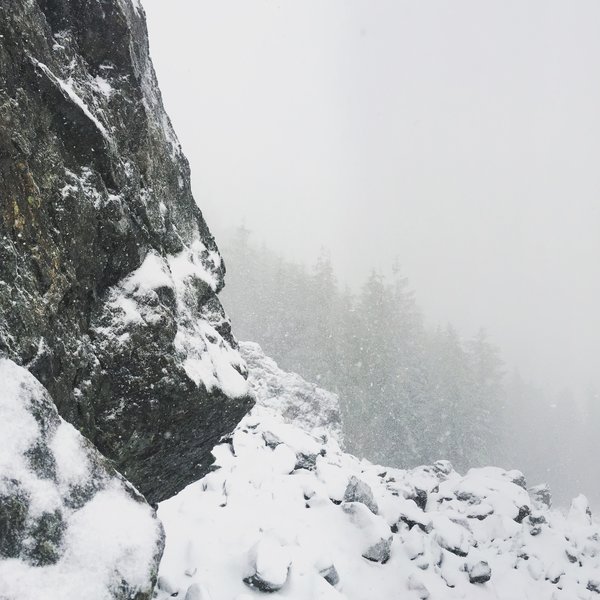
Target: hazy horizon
[460,139]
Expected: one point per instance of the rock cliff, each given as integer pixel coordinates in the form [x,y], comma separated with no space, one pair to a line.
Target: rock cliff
[108,272]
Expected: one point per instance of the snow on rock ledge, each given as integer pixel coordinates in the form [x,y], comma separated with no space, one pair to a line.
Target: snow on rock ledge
[70,526]
[140,300]
[437,534]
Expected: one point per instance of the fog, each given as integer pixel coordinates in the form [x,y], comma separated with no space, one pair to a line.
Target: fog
[460,138]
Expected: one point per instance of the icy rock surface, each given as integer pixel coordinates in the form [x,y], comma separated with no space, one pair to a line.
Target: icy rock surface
[108,272]
[437,534]
[70,526]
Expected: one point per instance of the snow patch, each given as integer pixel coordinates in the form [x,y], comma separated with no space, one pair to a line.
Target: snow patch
[72,465]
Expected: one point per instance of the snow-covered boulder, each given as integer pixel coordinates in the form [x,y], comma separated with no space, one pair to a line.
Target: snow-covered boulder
[479,572]
[485,491]
[269,565]
[70,526]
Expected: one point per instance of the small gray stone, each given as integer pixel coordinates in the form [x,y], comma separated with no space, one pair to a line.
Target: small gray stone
[306,461]
[443,467]
[518,479]
[479,572]
[359,491]
[379,552]
[330,575]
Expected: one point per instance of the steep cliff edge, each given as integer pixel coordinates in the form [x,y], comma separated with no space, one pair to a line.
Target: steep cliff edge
[108,272]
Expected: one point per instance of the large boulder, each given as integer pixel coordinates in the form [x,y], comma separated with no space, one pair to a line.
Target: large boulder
[108,273]
[70,526]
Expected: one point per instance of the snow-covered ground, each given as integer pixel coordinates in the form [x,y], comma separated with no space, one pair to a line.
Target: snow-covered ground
[289,514]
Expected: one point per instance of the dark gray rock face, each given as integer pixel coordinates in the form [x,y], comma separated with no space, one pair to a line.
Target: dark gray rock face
[70,526]
[108,273]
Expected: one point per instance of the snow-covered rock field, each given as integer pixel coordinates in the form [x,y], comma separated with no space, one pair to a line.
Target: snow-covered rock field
[288,513]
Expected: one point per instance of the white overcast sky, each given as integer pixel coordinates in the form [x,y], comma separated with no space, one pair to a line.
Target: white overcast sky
[461,136]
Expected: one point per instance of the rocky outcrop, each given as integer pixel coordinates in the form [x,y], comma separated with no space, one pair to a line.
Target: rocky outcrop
[70,526]
[108,273]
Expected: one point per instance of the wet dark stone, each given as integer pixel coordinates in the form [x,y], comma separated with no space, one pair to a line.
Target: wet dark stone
[594,586]
[261,585]
[420,497]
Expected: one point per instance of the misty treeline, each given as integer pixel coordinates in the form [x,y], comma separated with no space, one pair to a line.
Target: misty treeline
[410,394]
